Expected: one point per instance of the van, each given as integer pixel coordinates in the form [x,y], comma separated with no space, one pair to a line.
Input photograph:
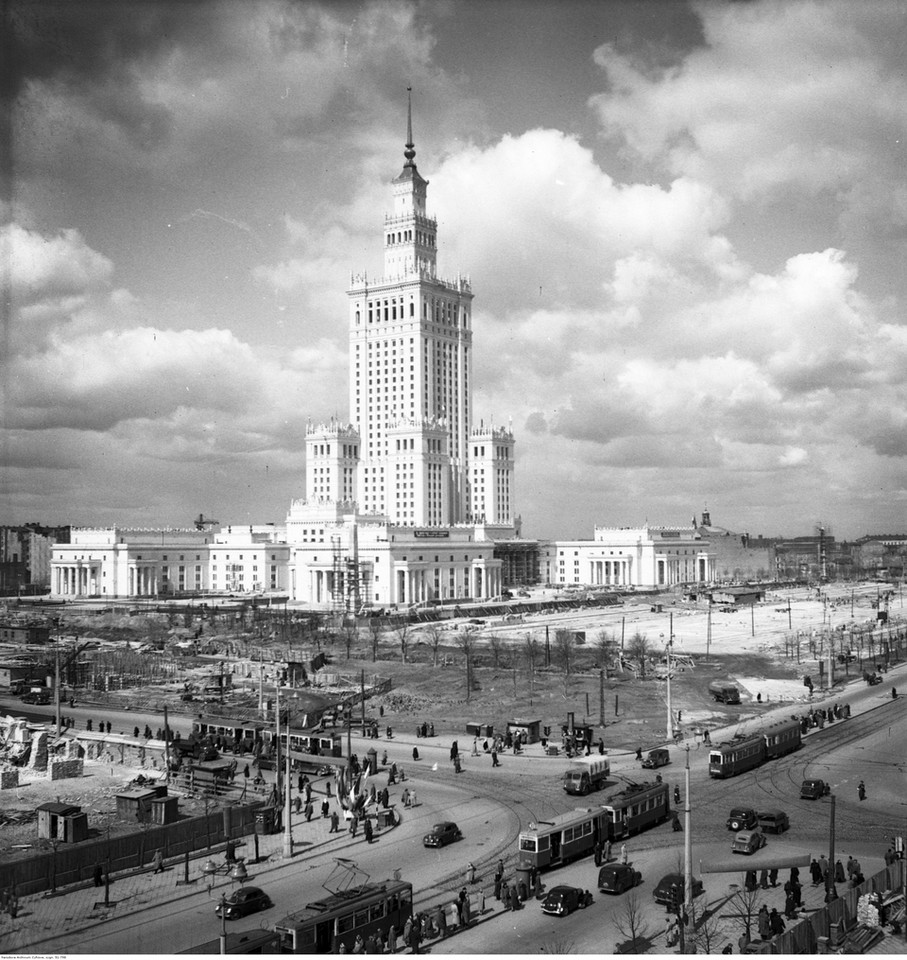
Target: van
[813,789]
[659,757]
[724,691]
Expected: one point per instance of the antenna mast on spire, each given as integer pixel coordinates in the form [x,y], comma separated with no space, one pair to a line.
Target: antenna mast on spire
[410,151]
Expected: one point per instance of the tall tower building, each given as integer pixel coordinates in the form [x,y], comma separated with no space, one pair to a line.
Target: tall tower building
[410,359]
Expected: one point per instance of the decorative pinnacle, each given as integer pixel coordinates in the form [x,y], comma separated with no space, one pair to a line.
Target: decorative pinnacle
[410,151]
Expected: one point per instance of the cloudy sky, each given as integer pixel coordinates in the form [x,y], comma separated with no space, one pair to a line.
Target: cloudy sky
[684,224]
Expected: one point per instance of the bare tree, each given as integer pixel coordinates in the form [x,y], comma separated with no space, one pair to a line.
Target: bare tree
[638,649]
[497,648]
[403,637]
[350,635]
[605,646]
[631,924]
[435,635]
[375,630]
[559,945]
[744,906]
[466,642]
[564,644]
[531,653]
[705,932]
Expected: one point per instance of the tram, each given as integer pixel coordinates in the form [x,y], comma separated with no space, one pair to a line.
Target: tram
[325,925]
[563,838]
[748,751]
[637,808]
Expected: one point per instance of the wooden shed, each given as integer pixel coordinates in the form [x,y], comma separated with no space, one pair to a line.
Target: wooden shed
[62,821]
[529,729]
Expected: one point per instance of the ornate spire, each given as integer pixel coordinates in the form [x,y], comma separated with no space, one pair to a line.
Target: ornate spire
[410,151]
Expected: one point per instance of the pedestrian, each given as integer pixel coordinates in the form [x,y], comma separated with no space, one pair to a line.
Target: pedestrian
[88,725]
[470,872]
[246,771]
[798,893]
[776,922]
[505,894]
[861,790]
[514,897]
[823,867]
[475,746]
[385,798]
[335,822]
[392,939]
[297,805]
[675,822]
[707,740]
[624,856]
[749,881]
[367,830]
[458,767]
[98,875]
[497,887]
[607,851]
[308,812]
[441,922]
[359,944]
[354,823]
[815,871]
[108,729]
[639,753]
[300,783]
[773,877]
[392,775]
[135,733]
[763,878]
[390,733]
[307,791]
[494,758]
[597,853]
[325,808]
[415,753]
[840,876]
[763,923]
[677,796]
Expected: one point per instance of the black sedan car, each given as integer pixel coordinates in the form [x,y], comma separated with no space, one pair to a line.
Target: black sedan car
[242,902]
[563,899]
[441,834]
[618,877]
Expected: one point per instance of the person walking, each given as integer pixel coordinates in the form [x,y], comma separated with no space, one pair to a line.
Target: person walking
[441,922]
[470,872]
[624,856]
[815,871]
[325,808]
[158,861]
[861,790]
[677,796]
[840,876]
[98,875]
[367,830]
[763,878]
[308,811]
[354,823]
[763,924]
[494,757]
[335,822]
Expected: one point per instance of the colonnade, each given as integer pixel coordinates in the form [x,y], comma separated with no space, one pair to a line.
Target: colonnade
[143,581]
[76,580]
[612,572]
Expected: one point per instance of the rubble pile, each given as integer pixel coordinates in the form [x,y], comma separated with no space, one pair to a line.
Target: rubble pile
[399,702]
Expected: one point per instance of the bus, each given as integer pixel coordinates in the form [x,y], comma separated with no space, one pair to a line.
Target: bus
[338,918]
[638,807]
[552,842]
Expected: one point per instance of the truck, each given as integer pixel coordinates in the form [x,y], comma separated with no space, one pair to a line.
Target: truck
[724,691]
[587,774]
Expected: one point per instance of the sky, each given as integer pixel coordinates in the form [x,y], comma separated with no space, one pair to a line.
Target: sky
[685,225]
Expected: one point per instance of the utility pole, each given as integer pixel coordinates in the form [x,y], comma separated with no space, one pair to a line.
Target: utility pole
[830,892]
[261,688]
[708,630]
[753,617]
[166,745]
[668,651]
[601,698]
[279,771]
[57,685]
[790,622]
[687,857]
[288,824]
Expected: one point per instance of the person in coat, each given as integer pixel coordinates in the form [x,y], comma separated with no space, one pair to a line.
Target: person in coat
[839,872]
[776,922]
[762,921]
[367,830]
[392,939]
[815,871]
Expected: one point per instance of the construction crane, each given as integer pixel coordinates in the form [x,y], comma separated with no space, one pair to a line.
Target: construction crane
[202,522]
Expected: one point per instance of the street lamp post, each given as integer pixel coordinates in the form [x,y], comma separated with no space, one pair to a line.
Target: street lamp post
[687,856]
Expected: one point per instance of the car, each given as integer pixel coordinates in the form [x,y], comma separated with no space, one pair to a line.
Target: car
[564,899]
[40,699]
[670,889]
[748,841]
[242,902]
[813,789]
[441,834]
[659,757]
[618,877]
[773,821]
[741,818]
